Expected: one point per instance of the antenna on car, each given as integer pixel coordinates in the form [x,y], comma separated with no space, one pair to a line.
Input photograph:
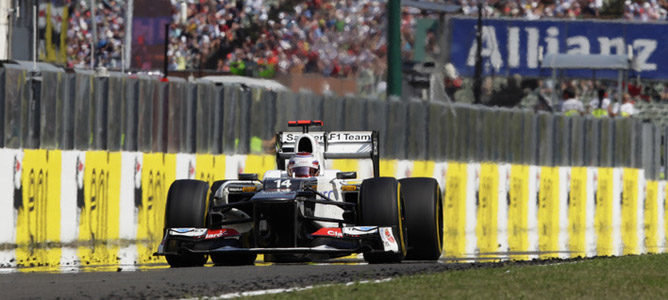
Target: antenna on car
[304,124]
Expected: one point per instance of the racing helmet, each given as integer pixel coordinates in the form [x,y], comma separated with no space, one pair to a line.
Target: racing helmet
[303,165]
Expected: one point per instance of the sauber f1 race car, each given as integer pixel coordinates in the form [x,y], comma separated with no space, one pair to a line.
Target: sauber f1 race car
[303,211]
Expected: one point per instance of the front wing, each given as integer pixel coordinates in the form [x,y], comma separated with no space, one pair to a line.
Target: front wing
[335,241]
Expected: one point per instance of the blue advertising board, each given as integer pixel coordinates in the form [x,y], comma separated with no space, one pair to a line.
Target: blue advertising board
[511,46]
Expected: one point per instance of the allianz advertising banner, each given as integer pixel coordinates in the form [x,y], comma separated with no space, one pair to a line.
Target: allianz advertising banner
[511,46]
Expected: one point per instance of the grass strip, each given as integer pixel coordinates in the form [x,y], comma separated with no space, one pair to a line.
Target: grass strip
[642,277]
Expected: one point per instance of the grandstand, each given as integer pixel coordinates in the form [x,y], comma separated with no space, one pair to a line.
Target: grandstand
[337,46]
[656,112]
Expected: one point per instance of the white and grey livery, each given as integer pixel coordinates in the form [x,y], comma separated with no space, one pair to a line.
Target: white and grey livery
[289,218]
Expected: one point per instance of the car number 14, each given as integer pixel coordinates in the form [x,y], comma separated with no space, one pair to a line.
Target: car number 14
[283,183]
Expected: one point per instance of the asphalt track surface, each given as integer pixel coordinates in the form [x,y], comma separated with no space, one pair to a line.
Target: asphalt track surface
[168,283]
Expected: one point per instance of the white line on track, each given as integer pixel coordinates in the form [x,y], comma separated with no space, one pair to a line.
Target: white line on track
[287,290]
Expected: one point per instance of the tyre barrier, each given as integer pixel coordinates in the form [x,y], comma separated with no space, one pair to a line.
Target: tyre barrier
[66,210]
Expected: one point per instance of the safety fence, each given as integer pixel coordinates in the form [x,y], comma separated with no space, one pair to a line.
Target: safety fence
[75,210]
[84,111]
[87,161]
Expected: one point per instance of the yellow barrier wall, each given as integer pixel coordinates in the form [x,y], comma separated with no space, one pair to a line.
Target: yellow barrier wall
[577,212]
[158,172]
[423,168]
[548,212]
[630,211]
[603,215]
[639,217]
[454,239]
[651,214]
[488,206]
[99,212]
[518,229]
[38,216]
[210,167]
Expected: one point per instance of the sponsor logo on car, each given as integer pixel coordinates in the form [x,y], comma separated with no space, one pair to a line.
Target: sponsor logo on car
[389,243]
[218,233]
[332,137]
[349,137]
[331,232]
[388,235]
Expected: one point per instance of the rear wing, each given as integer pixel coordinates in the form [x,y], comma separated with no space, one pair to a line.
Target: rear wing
[333,145]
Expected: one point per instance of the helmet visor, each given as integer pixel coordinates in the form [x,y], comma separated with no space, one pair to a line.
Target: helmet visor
[303,171]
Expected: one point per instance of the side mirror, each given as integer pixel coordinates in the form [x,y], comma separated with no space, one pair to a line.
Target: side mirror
[346,175]
[247,176]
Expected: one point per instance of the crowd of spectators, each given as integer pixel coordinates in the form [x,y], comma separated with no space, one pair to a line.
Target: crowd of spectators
[643,10]
[653,10]
[337,38]
[567,96]
[333,38]
[110,24]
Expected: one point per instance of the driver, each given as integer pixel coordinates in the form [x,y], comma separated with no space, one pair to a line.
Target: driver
[303,165]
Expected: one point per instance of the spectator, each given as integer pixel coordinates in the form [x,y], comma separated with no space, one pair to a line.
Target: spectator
[600,106]
[571,106]
[453,81]
[627,109]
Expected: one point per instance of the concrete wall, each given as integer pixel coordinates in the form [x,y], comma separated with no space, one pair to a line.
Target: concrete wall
[65,210]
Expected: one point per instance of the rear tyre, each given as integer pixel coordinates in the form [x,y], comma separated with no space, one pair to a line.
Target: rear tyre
[186,207]
[381,205]
[424,218]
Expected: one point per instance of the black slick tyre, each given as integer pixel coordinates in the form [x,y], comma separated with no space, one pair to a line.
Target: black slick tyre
[228,259]
[424,218]
[381,205]
[186,207]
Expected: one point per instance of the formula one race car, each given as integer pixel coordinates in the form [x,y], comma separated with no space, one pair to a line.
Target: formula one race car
[304,212]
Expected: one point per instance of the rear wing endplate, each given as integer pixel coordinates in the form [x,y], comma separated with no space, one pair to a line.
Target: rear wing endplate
[333,145]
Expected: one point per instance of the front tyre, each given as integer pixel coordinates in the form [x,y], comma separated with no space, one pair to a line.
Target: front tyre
[381,205]
[186,208]
[424,216]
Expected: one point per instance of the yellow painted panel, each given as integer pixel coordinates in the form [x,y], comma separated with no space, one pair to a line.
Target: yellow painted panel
[454,239]
[158,173]
[259,164]
[665,216]
[548,212]
[423,168]
[577,212]
[209,167]
[388,168]
[488,204]
[38,218]
[518,237]
[630,211]
[345,165]
[603,213]
[99,215]
[651,222]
